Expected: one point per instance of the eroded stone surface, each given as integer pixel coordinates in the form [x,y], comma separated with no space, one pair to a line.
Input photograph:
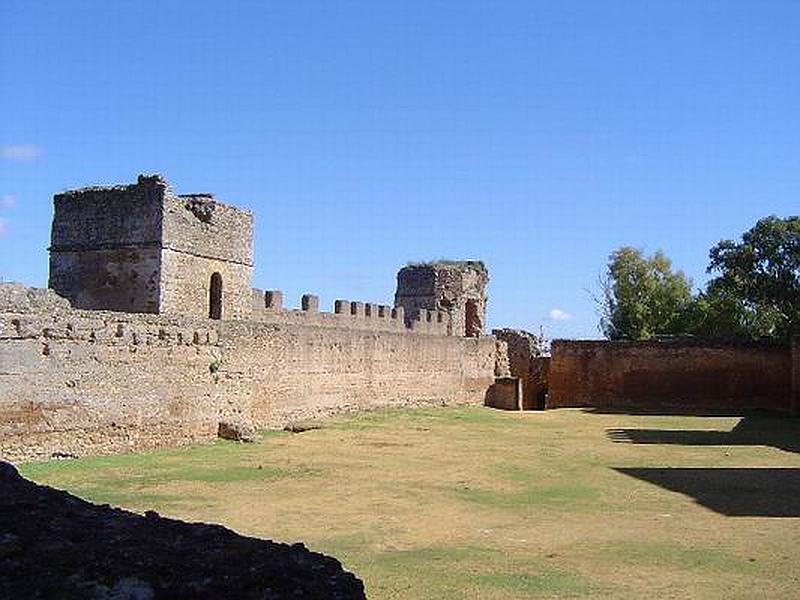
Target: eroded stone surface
[454,287]
[237,431]
[142,248]
[76,382]
[525,355]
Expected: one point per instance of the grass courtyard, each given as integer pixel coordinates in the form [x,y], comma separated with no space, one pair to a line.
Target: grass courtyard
[452,503]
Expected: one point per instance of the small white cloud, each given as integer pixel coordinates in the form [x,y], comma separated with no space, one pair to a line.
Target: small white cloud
[20,152]
[3,227]
[557,314]
[8,201]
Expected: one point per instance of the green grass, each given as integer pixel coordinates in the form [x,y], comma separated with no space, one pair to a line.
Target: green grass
[678,556]
[545,583]
[130,479]
[465,503]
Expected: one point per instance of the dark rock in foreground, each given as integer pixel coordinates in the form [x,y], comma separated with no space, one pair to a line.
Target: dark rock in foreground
[54,545]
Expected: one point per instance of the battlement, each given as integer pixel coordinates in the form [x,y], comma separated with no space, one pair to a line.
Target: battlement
[268,307]
[142,248]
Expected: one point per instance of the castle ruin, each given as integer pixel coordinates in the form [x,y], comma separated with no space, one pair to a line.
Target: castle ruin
[151,335]
[457,288]
[142,248]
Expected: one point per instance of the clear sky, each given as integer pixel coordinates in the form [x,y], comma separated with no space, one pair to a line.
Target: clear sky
[537,136]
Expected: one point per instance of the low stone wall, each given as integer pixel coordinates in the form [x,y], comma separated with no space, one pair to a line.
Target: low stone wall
[524,359]
[87,382]
[505,393]
[683,374]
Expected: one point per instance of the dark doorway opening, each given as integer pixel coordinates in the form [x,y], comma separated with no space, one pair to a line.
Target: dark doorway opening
[472,322]
[541,400]
[215,297]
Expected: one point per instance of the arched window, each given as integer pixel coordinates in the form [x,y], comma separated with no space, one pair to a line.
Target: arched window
[215,297]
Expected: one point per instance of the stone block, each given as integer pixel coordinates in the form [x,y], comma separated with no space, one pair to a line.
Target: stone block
[310,303]
[273,300]
[505,393]
[341,307]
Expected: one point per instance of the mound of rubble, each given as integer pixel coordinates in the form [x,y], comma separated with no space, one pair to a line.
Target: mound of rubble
[54,545]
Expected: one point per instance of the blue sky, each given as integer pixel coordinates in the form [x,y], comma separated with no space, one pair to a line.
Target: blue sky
[537,136]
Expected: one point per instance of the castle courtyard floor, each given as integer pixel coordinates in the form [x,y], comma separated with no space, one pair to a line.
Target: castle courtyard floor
[451,503]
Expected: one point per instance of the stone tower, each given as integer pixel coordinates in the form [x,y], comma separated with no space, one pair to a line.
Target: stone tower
[142,248]
[457,287]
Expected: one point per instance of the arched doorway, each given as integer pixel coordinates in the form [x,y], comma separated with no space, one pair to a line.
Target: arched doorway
[215,297]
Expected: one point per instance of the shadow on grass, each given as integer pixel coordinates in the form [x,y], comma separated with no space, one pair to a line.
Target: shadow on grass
[736,492]
[760,430]
[680,411]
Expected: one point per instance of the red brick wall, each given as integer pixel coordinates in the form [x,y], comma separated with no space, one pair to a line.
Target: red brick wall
[690,374]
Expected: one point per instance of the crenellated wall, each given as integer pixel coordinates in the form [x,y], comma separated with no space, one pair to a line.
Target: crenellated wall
[268,307]
[77,382]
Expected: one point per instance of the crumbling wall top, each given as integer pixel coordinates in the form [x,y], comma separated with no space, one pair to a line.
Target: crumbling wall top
[201,225]
[19,298]
[156,180]
[105,217]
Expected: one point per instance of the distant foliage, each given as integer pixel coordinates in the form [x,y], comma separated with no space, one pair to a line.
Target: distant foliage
[756,292]
[642,296]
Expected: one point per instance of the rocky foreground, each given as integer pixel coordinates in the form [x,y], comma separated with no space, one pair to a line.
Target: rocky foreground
[54,545]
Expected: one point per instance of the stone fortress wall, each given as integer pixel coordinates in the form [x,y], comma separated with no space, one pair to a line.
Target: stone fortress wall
[268,307]
[145,350]
[203,236]
[77,382]
[105,246]
[155,336]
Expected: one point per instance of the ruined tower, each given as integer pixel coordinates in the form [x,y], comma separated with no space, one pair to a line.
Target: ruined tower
[143,248]
[457,287]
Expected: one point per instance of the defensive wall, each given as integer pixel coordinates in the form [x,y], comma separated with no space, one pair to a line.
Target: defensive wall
[77,382]
[152,336]
[677,374]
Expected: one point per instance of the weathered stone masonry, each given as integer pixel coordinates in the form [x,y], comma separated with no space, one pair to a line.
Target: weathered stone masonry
[156,336]
[142,248]
[456,288]
[85,382]
[136,355]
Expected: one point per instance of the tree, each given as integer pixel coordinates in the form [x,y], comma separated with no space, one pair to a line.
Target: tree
[757,292]
[714,313]
[642,296]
